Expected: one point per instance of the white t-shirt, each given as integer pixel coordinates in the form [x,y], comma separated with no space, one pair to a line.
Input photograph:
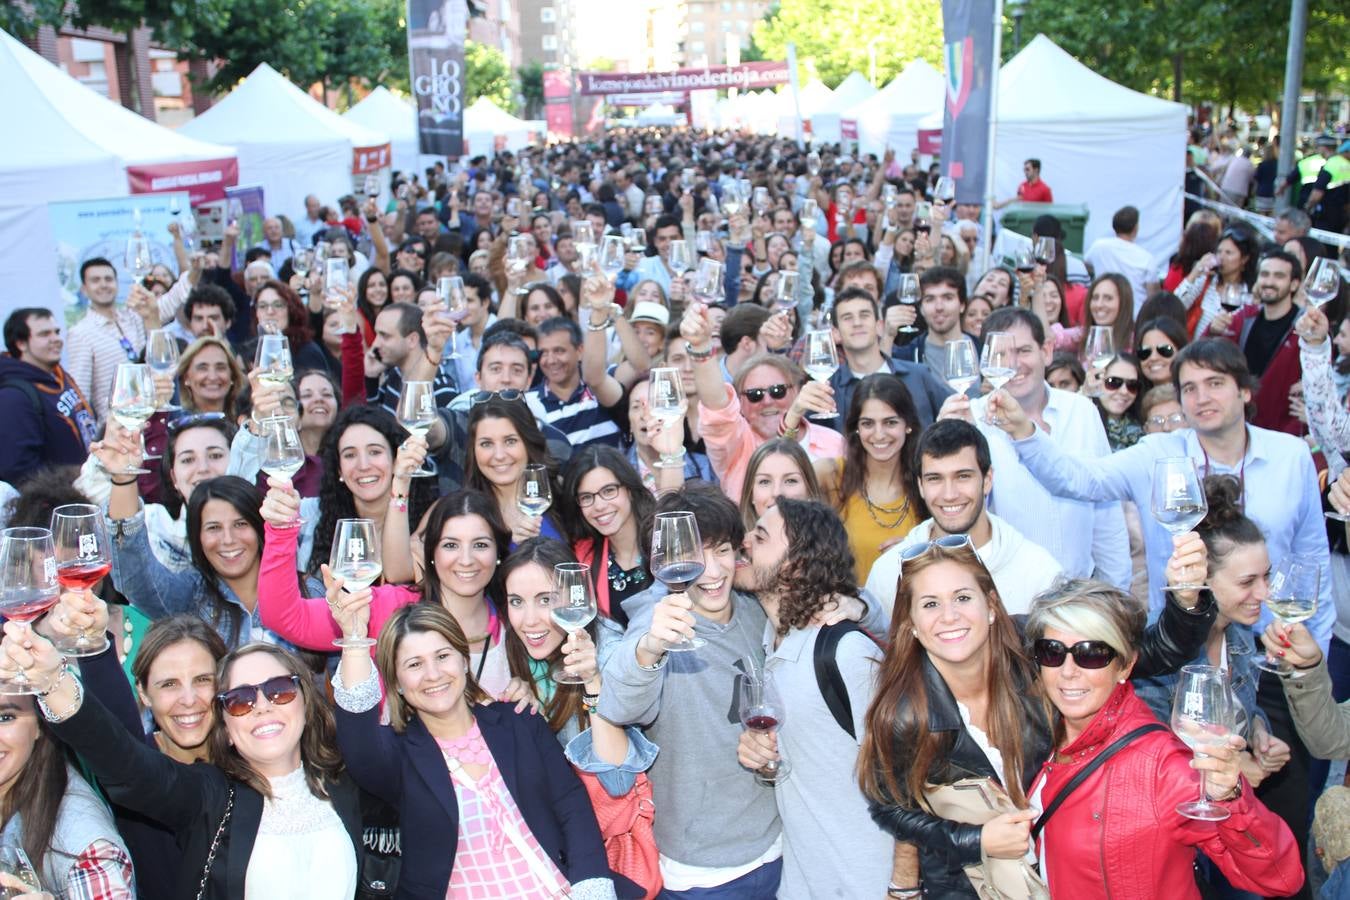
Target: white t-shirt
[1122,257]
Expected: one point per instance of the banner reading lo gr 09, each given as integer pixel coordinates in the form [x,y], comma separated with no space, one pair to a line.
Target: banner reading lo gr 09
[436,31]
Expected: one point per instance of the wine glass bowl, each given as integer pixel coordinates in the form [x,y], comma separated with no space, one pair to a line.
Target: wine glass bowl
[355,558]
[666,402]
[961,368]
[573,607]
[1202,714]
[28,587]
[1295,584]
[133,403]
[83,557]
[677,559]
[534,490]
[908,294]
[762,710]
[416,411]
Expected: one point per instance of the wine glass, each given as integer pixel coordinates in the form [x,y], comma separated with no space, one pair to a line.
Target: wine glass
[1323,281]
[809,216]
[355,557]
[708,281]
[14,862]
[678,257]
[908,294]
[582,231]
[762,711]
[997,360]
[534,490]
[161,355]
[961,370]
[83,557]
[572,609]
[611,256]
[588,254]
[945,189]
[1178,501]
[336,280]
[889,195]
[139,260]
[677,560]
[1098,350]
[1294,588]
[273,359]
[28,586]
[923,217]
[813,163]
[450,289]
[759,200]
[283,454]
[1202,714]
[518,255]
[302,260]
[1231,295]
[636,241]
[732,201]
[1043,250]
[785,291]
[372,186]
[666,403]
[416,412]
[133,403]
[1024,260]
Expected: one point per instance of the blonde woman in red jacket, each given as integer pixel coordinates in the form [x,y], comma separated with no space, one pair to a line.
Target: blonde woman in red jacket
[1118,834]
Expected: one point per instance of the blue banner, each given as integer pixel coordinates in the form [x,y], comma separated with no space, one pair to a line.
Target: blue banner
[968,53]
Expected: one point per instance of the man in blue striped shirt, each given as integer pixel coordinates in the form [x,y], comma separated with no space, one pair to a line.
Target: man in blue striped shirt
[566,402]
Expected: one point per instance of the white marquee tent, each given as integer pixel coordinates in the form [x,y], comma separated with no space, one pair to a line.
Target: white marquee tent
[485,122]
[288,142]
[382,112]
[813,98]
[891,116]
[76,145]
[825,123]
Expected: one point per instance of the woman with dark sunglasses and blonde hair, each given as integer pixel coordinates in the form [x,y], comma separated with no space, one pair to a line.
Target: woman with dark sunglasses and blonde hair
[272,815]
[957,697]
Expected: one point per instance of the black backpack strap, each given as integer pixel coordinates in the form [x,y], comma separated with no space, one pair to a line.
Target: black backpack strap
[828,679]
[28,389]
[1115,747]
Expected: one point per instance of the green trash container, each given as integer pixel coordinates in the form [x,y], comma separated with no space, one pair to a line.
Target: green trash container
[1019,217]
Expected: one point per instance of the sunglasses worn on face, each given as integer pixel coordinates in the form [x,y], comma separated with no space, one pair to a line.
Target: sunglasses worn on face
[1086,654]
[279,691]
[1164,350]
[947,542]
[756,395]
[1115,383]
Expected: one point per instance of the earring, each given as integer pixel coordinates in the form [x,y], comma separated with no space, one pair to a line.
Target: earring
[914,631]
[1121,681]
[991,618]
[400,690]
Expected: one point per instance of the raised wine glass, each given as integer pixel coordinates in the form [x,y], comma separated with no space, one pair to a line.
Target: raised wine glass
[908,294]
[677,560]
[1178,501]
[1294,587]
[945,189]
[302,260]
[678,257]
[83,556]
[273,360]
[28,587]
[1098,350]
[762,710]
[962,370]
[572,609]
[1202,714]
[809,216]
[1323,281]
[1043,250]
[707,287]
[133,403]
[785,291]
[417,412]
[534,490]
[161,355]
[355,557]
[611,256]
[666,403]
[336,279]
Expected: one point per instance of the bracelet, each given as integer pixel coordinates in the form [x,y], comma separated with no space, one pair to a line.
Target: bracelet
[127,483]
[69,711]
[785,432]
[399,501]
[591,326]
[698,355]
[61,674]
[900,893]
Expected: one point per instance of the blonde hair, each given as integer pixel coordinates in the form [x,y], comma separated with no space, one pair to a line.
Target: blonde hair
[419,618]
[237,377]
[1093,609]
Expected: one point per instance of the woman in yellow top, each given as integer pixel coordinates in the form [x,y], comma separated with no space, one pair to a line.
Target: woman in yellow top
[873,486]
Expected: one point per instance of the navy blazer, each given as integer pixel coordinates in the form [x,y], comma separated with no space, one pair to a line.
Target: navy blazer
[408,771]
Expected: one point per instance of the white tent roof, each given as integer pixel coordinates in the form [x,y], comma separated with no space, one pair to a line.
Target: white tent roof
[485,121]
[382,112]
[1043,83]
[851,91]
[890,117]
[815,97]
[288,142]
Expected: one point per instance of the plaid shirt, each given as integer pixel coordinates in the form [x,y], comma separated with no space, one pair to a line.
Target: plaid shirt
[101,872]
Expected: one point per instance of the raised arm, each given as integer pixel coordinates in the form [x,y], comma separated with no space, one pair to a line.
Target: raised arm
[597,296]
[304,621]
[377,239]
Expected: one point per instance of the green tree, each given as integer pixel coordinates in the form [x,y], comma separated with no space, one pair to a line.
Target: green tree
[531,77]
[833,36]
[486,74]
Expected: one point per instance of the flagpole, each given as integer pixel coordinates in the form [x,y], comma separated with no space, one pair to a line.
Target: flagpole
[799,132]
[987,235]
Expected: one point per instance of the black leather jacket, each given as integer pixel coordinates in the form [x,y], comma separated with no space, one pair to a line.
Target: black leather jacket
[946,846]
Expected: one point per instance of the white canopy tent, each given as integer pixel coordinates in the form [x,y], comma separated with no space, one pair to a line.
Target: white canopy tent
[485,122]
[382,112]
[660,114]
[1099,143]
[814,98]
[891,116]
[825,123]
[76,145]
[288,142]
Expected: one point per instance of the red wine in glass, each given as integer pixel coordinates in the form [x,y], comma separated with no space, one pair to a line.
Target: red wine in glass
[761,721]
[79,576]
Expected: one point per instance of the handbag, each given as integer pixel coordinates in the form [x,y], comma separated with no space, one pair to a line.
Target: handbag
[1194,313]
[975,801]
[215,845]
[626,827]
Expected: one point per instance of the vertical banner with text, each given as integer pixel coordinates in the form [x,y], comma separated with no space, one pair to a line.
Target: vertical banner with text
[968,54]
[436,30]
[558,103]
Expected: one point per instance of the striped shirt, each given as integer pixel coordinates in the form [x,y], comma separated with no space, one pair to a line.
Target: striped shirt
[580,416]
[387,390]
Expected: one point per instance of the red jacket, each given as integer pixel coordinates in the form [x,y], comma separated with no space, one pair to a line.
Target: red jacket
[1282,372]
[1119,834]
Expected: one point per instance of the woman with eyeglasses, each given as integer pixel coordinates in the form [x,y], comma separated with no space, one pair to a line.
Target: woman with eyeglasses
[272,815]
[1122,385]
[956,697]
[487,803]
[278,310]
[1157,342]
[504,438]
[1119,833]
[1161,410]
[1233,263]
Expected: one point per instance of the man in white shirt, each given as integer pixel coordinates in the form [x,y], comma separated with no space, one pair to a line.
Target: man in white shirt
[657,267]
[1088,539]
[1122,256]
[955,477]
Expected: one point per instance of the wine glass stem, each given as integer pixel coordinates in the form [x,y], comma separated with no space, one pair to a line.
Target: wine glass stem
[1204,794]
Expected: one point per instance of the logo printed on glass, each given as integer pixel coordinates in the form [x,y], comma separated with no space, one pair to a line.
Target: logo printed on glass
[356,548]
[578,592]
[426,403]
[531,489]
[88,546]
[1193,707]
[49,569]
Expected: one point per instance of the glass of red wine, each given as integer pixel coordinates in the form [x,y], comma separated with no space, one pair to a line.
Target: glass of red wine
[83,557]
[762,711]
[28,587]
[677,560]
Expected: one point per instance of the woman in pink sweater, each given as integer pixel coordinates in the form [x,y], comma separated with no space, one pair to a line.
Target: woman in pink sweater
[460,574]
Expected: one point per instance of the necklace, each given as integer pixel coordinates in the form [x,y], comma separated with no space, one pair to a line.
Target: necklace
[872,508]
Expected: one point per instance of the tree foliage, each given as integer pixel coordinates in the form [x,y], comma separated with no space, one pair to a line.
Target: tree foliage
[833,36]
[487,74]
[531,77]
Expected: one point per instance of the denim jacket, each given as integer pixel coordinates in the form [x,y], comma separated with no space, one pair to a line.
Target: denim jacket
[160,592]
[1243,676]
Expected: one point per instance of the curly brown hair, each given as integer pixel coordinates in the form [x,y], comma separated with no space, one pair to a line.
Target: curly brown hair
[818,563]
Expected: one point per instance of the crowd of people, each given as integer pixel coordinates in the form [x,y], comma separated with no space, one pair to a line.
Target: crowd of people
[686,515]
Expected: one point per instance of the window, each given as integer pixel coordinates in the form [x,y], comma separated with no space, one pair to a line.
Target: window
[548,14]
[549,42]
[696,27]
[696,47]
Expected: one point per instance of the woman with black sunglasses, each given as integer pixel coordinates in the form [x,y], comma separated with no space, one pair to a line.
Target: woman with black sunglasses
[956,698]
[1157,342]
[273,815]
[1120,833]
[1122,386]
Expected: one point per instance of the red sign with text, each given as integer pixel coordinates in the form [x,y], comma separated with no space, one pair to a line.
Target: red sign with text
[205,180]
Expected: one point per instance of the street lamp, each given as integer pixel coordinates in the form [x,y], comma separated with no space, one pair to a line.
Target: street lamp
[1017,8]
[872,60]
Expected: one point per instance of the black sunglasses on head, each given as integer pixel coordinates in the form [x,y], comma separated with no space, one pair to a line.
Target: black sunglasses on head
[1086,654]
[1164,350]
[756,395]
